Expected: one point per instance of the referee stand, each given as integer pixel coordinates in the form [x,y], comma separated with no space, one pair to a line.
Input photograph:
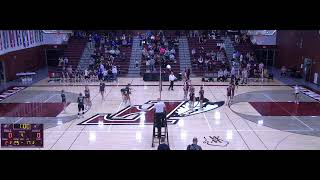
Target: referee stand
[160,128]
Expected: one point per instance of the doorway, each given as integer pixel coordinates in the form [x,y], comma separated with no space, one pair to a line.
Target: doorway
[266,56]
[2,72]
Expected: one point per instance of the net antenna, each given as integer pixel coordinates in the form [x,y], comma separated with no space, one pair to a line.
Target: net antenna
[160,79]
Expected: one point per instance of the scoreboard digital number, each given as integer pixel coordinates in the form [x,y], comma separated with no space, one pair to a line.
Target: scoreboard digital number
[22,135]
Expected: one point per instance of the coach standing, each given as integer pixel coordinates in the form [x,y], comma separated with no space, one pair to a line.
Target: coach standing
[172,78]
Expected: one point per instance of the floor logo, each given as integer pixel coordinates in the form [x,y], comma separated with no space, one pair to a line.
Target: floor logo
[10,91]
[215,141]
[144,114]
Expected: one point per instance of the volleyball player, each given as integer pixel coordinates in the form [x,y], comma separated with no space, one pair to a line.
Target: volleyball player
[296,94]
[237,79]
[192,98]
[102,86]
[126,94]
[232,90]
[186,89]
[228,95]
[63,98]
[80,105]
[87,97]
[201,97]
[86,75]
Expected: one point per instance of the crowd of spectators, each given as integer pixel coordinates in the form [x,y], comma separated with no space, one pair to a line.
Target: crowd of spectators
[158,48]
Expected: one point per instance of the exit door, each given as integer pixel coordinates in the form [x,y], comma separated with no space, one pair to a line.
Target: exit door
[2,74]
[307,69]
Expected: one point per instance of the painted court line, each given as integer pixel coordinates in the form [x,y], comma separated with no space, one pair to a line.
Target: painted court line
[289,113]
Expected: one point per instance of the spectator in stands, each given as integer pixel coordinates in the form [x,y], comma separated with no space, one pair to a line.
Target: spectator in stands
[115,72]
[193,52]
[220,75]
[145,52]
[90,41]
[225,75]
[283,71]
[222,47]
[152,63]
[66,61]
[200,39]
[171,57]
[214,55]
[237,39]
[244,74]
[60,61]
[173,51]
[244,37]
[194,145]
[109,74]
[200,62]
[233,73]
[117,52]
[148,65]
[102,41]
[234,55]
[261,67]
[151,52]
[69,71]
[188,72]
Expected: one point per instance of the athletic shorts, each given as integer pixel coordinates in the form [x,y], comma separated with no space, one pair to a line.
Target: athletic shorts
[80,107]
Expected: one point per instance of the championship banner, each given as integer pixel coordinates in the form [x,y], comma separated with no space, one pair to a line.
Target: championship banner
[23,38]
[0,41]
[41,37]
[31,36]
[13,39]
[20,37]
[36,35]
[5,39]
[17,38]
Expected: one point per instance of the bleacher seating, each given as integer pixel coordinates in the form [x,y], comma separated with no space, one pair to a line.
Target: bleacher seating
[73,52]
[175,67]
[210,45]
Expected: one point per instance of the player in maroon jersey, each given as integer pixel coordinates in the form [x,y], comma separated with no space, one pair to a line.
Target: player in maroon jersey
[233,87]
[201,97]
[192,97]
[186,86]
[228,95]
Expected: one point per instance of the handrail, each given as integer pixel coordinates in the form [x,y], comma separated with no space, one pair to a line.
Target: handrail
[266,33]
[56,31]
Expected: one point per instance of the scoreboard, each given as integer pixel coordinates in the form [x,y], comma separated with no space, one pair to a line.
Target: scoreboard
[22,135]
